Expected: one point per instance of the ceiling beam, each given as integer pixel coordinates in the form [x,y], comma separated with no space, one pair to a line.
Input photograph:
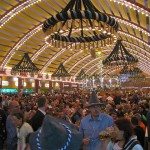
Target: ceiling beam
[38,28]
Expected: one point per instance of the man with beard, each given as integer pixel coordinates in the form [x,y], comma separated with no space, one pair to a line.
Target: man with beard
[94,123]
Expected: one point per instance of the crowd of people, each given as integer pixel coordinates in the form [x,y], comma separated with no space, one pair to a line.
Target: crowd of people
[74,120]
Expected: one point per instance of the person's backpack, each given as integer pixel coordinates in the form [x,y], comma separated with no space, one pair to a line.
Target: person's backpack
[131,144]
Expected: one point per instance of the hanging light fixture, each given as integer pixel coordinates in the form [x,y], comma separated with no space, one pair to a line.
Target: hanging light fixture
[125,70]
[136,73]
[82,75]
[61,72]
[120,56]
[25,66]
[80,25]
[130,71]
[136,77]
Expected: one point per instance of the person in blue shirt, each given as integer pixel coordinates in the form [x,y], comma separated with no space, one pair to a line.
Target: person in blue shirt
[94,123]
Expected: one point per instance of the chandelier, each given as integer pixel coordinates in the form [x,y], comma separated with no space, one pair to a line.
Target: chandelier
[120,56]
[25,66]
[131,71]
[61,72]
[82,75]
[136,71]
[80,25]
[136,77]
[125,70]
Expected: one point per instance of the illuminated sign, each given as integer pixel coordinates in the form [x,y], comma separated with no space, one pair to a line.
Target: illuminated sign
[15,79]
[57,84]
[5,83]
[47,85]
[9,90]
[74,85]
[33,84]
[24,84]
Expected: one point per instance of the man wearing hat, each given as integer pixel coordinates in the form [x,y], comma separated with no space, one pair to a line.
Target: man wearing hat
[92,124]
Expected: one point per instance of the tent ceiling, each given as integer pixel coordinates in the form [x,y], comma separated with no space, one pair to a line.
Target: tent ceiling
[20,31]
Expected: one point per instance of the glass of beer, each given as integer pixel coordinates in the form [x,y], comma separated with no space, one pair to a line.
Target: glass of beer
[106,134]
